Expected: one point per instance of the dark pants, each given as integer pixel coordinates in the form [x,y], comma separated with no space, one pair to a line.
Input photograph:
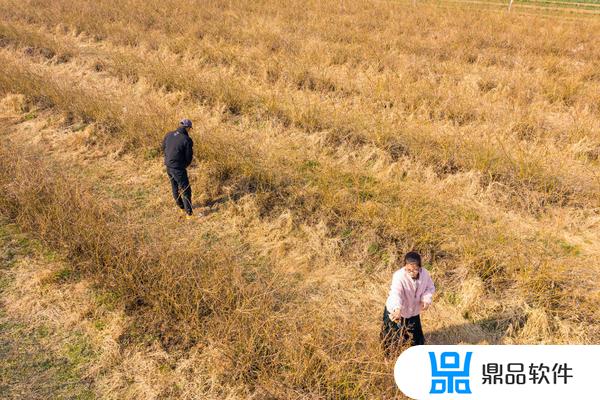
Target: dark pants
[182,191]
[407,330]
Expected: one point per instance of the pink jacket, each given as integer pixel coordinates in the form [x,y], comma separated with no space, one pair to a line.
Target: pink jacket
[407,293]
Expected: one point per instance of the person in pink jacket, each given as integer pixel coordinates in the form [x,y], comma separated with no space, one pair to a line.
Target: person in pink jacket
[410,293]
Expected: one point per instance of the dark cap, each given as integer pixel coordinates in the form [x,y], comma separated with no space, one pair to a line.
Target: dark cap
[185,123]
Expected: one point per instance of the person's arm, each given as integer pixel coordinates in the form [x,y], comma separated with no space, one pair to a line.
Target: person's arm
[427,296]
[164,144]
[189,152]
[394,301]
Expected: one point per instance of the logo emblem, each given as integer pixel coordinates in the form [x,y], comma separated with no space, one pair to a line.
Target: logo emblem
[449,377]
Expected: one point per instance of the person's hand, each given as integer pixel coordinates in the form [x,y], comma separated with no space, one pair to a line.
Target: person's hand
[424,306]
[395,315]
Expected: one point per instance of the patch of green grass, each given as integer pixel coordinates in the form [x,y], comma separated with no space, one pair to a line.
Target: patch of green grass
[4,282]
[570,249]
[50,255]
[310,165]
[31,365]
[42,331]
[451,297]
[30,116]
[385,257]
[29,359]
[23,241]
[79,351]
[108,300]
[63,275]
[12,244]
[140,194]
[151,153]
[373,249]
[365,195]
[164,368]
[210,237]
[346,233]
[5,229]
[7,258]
[100,325]
[429,266]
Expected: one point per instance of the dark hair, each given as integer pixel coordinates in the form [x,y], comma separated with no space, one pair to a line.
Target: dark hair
[412,257]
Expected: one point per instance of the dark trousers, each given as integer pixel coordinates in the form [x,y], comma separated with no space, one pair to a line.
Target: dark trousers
[407,330]
[182,191]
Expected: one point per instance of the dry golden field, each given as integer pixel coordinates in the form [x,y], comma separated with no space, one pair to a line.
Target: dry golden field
[330,138]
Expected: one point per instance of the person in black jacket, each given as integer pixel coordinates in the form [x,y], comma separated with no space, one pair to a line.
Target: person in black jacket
[177,147]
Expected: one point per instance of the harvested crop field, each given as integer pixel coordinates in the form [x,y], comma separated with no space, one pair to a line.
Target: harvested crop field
[330,137]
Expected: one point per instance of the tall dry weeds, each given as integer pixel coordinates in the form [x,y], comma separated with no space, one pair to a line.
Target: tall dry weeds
[470,136]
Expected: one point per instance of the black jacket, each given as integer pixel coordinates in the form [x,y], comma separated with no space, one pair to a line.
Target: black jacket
[177,147]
